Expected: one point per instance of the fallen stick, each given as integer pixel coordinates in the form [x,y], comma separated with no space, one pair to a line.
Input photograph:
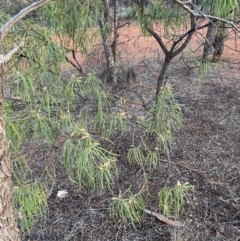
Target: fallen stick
[180,165]
[176,224]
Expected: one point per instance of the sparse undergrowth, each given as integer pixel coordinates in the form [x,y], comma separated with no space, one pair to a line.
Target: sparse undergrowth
[172,199]
[87,117]
[199,141]
[81,117]
[110,149]
[77,114]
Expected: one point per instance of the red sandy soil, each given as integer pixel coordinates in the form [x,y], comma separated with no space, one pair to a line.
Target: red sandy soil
[134,47]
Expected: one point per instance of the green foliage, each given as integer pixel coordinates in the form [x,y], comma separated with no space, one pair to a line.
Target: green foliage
[172,18]
[76,18]
[21,170]
[30,202]
[3,16]
[105,118]
[142,155]
[42,128]
[87,163]
[127,208]
[221,8]
[157,128]
[44,104]
[29,199]
[167,115]
[205,67]
[13,125]
[172,199]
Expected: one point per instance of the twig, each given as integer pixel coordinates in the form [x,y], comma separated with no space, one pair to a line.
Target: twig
[78,64]
[122,25]
[176,224]
[180,165]
[196,171]
[137,94]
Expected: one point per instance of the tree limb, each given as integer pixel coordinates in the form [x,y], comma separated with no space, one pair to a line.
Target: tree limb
[159,40]
[201,14]
[187,40]
[4,30]
[5,59]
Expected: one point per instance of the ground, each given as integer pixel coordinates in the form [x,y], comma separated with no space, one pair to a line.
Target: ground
[205,153]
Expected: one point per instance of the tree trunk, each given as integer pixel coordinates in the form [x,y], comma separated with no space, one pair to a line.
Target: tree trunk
[219,42]
[105,27]
[8,226]
[115,30]
[161,77]
[209,42]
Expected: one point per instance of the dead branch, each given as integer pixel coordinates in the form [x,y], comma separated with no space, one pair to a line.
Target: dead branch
[180,165]
[176,224]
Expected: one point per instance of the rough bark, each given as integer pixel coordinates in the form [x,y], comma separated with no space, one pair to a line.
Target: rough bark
[105,27]
[209,42]
[161,76]
[8,226]
[115,29]
[219,42]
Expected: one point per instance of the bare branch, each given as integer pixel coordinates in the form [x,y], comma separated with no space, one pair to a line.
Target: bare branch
[122,25]
[187,40]
[7,57]
[201,14]
[4,30]
[176,224]
[159,40]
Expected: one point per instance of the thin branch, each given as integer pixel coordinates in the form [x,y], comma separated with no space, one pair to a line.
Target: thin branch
[187,168]
[176,224]
[5,59]
[159,40]
[201,14]
[183,46]
[187,40]
[137,94]
[189,33]
[122,25]
[78,64]
[22,55]
[4,30]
